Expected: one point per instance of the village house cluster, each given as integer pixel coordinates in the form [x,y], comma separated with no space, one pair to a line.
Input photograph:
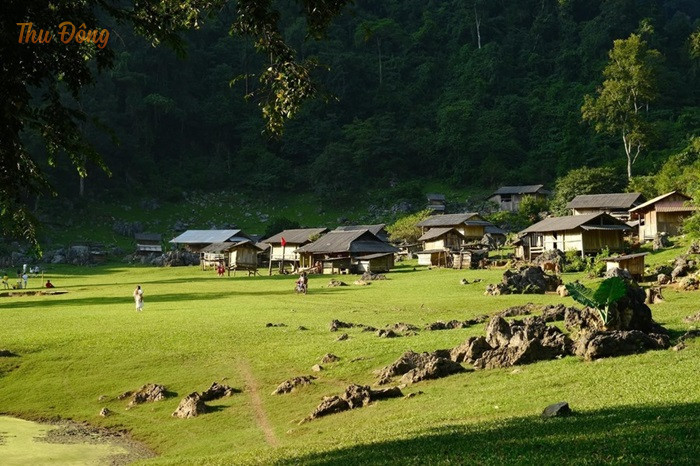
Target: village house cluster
[460,240]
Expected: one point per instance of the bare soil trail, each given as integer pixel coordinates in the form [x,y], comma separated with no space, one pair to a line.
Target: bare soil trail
[256,402]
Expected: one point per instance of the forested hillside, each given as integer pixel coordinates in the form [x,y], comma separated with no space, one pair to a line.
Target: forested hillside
[471,93]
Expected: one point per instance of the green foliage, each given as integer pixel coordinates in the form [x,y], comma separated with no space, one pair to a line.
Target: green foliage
[585,181]
[608,293]
[574,261]
[531,207]
[595,266]
[404,230]
[278,224]
[621,104]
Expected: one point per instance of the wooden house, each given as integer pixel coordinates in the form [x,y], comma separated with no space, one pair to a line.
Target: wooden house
[470,224]
[438,246]
[663,214]
[238,255]
[341,251]
[587,234]
[615,204]
[195,240]
[375,263]
[633,263]
[436,202]
[509,197]
[294,239]
[147,243]
[378,230]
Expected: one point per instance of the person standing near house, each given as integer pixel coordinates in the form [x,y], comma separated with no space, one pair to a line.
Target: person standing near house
[25,279]
[138,298]
[5,280]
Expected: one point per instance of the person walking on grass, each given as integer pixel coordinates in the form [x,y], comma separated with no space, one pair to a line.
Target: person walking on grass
[138,298]
[5,283]
[25,279]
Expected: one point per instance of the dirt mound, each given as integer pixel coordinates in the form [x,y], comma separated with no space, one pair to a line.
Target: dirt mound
[521,342]
[526,280]
[355,396]
[290,385]
[415,367]
[604,344]
[148,393]
[217,391]
[190,406]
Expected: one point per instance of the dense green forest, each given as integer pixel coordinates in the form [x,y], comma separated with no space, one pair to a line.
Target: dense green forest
[471,93]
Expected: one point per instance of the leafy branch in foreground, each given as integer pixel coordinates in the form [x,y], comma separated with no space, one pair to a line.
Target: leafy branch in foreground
[608,293]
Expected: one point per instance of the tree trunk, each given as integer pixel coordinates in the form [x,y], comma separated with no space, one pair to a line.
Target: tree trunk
[478,29]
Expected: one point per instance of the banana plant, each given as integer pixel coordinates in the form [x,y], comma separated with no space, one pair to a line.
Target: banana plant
[608,293]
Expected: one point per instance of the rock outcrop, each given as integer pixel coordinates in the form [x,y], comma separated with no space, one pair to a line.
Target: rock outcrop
[526,280]
[355,396]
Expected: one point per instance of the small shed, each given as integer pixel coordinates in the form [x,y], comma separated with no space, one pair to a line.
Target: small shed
[241,255]
[435,257]
[469,258]
[470,224]
[633,263]
[380,262]
[509,197]
[436,202]
[147,243]
[442,238]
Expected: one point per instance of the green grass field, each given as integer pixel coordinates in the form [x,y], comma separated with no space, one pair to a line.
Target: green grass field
[197,328]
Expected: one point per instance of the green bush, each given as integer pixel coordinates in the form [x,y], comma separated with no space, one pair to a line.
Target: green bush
[596,267]
[574,261]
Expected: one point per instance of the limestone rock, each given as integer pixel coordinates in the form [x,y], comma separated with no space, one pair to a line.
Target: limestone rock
[190,406]
[556,410]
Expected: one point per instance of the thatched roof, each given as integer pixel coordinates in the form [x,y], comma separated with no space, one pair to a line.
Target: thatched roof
[295,236]
[596,221]
[605,201]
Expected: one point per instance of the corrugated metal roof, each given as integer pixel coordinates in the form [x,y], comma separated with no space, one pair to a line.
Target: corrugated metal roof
[438,232]
[625,257]
[570,222]
[374,256]
[657,199]
[295,236]
[226,246]
[354,241]
[379,230]
[147,236]
[605,201]
[494,230]
[605,227]
[525,189]
[448,220]
[208,236]
[435,197]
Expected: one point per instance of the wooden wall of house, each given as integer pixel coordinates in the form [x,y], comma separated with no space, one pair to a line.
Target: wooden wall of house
[471,231]
[635,266]
[449,240]
[245,257]
[595,240]
[563,240]
[670,222]
[289,254]
[380,264]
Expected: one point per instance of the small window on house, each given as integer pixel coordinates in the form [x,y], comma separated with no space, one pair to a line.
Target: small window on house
[506,198]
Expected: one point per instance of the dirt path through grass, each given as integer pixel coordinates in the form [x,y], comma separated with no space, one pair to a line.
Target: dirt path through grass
[258,411]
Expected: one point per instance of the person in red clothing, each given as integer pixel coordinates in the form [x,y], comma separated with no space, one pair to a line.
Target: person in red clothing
[49,284]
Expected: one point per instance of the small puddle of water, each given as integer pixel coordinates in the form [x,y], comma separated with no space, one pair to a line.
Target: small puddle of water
[24,442]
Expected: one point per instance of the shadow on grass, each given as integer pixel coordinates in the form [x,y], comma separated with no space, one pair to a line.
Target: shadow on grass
[159,298]
[629,435]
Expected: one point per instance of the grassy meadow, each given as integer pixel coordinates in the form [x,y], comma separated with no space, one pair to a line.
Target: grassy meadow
[197,328]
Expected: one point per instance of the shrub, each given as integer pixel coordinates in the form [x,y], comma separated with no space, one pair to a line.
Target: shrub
[574,261]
